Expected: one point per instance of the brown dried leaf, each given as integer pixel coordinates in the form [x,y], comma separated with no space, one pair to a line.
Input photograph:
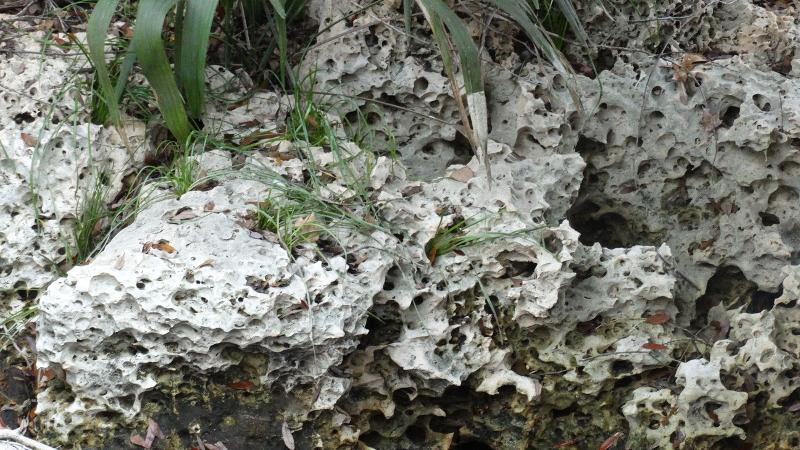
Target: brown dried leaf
[153,432]
[654,346]
[568,443]
[242,385]
[463,174]
[705,244]
[181,215]
[682,95]
[657,318]
[206,263]
[162,245]
[710,120]
[259,136]
[28,139]
[308,227]
[689,60]
[611,441]
[209,206]
[249,123]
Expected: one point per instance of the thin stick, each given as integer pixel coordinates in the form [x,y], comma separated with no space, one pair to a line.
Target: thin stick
[12,435]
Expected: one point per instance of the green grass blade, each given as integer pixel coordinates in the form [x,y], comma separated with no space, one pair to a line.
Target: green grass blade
[96,32]
[191,65]
[470,63]
[277,5]
[125,70]
[180,15]
[407,6]
[155,65]
[568,10]
[462,40]
[521,12]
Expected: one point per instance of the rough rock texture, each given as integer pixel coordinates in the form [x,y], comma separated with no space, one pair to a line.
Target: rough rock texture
[187,287]
[50,157]
[633,267]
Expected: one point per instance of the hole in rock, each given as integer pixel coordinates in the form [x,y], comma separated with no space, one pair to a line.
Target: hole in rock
[762,301]
[761,102]
[416,434]
[726,285]
[768,219]
[729,116]
[621,367]
[24,117]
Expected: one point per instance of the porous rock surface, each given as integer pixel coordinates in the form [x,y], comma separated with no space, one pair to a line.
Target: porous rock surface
[51,156]
[187,286]
[633,266]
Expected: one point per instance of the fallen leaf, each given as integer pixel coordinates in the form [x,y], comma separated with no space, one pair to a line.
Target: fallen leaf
[432,255]
[28,139]
[611,441]
[162,245]
[44,375]
[243,385]
[45,25]
[258,136]
[689,60]
[568,443]
[657,318]
[181,215]
[710,120]
[654,346]
[705,244]
[59,41]
[249,123]
[153,432]
[209,206]
[308,227]
[206,263]
[126,30]
[463,174]
[120,262]
[288,439]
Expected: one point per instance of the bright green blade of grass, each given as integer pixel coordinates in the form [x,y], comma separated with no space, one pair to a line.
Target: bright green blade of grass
[191,62]
[155,65]
[96,32]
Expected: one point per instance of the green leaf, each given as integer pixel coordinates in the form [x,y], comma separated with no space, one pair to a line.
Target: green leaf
[437,13]
[277,5]
[155,65]
[462,40]
[96,32]
[407,5]
[521,12]
[125,70]
[191,62]
[568,10]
